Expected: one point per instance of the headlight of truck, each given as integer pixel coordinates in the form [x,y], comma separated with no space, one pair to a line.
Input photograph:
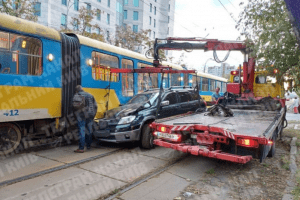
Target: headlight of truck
[126,120]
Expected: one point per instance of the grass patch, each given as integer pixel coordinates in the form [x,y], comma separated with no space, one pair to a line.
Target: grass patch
[266,164]
[115,191]
[285,163]
[298,144]
[211,171]
[291,133]
[296,191]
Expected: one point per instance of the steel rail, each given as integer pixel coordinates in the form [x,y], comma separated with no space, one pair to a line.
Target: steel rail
[149,176]
[54,169]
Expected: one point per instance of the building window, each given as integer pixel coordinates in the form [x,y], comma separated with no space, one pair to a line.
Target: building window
[154,34]
[150,7]
[136,3]
[88,6]
[154,22]
[155,0]
[98,31]
[75,25]
[37,9]
[168,30]
[103,63]
[99,0]
[125,14]
[20,54]
[135,15]
[88,29]
[98,14]
[169,7]
[108,3]
[108,19]
[126,2]
[135,28]
[64,2]
[63,19]
[150,19]
[76,5]
[127,79]
[154,10]
[168,19]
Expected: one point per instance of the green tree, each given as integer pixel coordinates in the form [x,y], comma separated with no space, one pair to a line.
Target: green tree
[269,33]
[126,38]
[19,8]
[83,22]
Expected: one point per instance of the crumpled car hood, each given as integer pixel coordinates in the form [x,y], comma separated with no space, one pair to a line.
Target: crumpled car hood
[123,111]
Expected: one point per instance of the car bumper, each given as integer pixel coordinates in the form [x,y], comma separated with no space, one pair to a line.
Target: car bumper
[117,137]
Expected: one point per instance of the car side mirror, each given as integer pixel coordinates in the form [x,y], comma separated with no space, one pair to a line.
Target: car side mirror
[164,103]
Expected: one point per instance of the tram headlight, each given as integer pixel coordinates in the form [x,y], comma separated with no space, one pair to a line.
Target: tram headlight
[90,62]
[127,120]
[50,57]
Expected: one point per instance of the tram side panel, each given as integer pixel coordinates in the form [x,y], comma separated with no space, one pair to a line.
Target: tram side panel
[31,89]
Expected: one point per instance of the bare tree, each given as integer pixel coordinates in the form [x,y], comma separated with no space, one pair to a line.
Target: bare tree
[19,8]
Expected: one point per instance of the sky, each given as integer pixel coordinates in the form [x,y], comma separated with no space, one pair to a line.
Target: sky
[201,18]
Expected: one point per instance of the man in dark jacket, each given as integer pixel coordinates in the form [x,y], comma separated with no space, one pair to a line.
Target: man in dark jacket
[85,109]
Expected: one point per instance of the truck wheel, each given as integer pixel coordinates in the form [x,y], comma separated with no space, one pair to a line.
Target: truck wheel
[272,150]
[147,137]
[10,138]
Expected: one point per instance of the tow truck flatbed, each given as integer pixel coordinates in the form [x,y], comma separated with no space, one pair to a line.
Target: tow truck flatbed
[247,134]
[254,123]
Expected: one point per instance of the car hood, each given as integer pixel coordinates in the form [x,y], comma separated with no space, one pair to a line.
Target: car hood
[123,111]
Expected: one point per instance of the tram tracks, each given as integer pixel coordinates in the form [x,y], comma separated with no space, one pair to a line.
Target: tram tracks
[54,169]
[143,179]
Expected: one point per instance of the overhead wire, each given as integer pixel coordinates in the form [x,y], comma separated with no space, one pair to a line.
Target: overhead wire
[227,11]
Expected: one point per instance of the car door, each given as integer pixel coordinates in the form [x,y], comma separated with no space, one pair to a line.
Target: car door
[186,103]
[171,109]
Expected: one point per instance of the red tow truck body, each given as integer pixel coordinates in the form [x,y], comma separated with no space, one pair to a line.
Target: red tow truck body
[250,133]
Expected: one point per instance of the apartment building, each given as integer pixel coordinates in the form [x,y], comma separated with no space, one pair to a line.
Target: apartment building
[156,15]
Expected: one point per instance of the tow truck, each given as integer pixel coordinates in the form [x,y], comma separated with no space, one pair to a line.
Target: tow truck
[241,126]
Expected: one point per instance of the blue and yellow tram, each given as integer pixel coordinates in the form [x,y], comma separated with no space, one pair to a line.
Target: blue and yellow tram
[40,67]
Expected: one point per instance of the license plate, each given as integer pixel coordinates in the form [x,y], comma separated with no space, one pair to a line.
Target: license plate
[165,135]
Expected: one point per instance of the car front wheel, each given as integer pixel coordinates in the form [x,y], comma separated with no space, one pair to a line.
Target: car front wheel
[147,137]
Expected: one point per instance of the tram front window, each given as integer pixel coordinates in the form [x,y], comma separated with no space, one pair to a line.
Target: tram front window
[20,54]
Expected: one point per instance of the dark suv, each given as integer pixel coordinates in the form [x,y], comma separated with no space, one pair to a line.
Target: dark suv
[130,122]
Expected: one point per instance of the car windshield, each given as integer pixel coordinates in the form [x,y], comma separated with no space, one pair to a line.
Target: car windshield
[142,98]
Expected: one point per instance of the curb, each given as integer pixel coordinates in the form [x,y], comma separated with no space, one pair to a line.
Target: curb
[293,168]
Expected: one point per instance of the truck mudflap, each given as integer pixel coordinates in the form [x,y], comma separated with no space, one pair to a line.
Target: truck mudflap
[203,151]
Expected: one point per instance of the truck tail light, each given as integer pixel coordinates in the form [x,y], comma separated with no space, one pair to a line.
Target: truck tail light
[234,73]
[163,129]
[247,142]
[270,142]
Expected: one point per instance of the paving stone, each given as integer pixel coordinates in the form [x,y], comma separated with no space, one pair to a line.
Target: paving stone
[71,183]
[24,164]
[124,166]
[67,155]
[193,167]
[165,186]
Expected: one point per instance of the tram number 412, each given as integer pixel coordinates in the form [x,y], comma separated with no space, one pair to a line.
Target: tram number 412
[11,113]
